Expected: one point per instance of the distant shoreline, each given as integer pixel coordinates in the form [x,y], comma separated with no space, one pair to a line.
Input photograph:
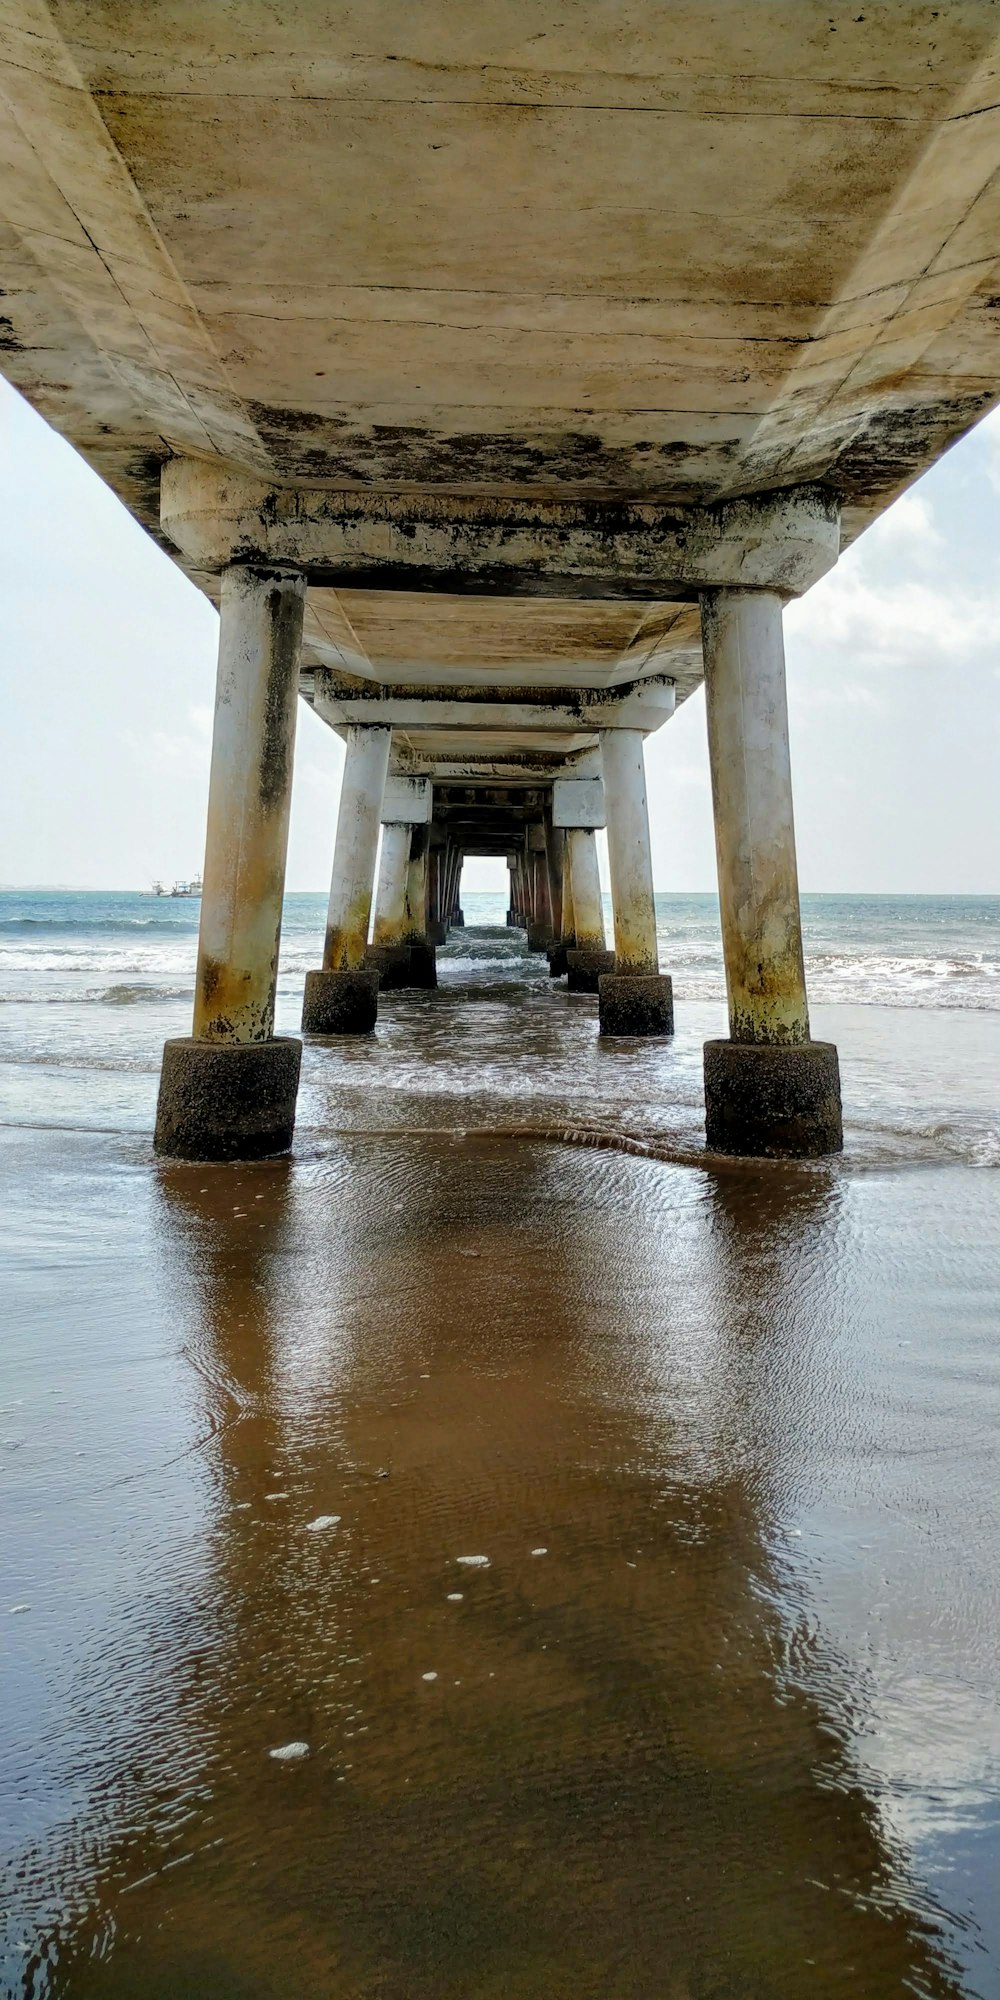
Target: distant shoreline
[830,895]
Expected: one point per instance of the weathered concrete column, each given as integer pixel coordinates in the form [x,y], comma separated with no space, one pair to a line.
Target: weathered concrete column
[455,915]
[565,942]
[635,999]
[342,999]
[585,876]
[518,891]
[539,911]
[416,885]
[769,1089]
[389,929]
[437,888]
[400,951]
[229,1091]
[389,952]
[555,860]
[423,962]
[590,960]
[365,770]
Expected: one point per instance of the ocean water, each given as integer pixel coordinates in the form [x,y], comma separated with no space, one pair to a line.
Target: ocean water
[897,951]
[908,987]
[615,1536]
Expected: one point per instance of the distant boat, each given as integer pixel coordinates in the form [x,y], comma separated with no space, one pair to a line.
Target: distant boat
[192,888]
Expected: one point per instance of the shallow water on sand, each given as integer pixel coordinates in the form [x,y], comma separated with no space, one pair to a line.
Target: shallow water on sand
[716,1715]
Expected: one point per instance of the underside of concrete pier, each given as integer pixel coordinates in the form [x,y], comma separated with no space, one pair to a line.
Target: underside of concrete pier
[548,352]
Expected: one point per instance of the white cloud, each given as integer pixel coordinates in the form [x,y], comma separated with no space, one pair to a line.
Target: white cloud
[163,749]
[909,523]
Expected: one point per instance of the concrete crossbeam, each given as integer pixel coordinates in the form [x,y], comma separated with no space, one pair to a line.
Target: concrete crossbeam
[782,541]
[644,706]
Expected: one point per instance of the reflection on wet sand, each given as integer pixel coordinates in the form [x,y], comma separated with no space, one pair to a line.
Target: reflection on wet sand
[615,1759]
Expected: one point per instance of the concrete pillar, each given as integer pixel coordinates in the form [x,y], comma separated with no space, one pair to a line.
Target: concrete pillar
[555,857]
[554,872]
[390,895]
[416,885]
[358,821]
[517,890]
[423,963]
[568,905]
[635,999]
[437,928]
[511,890]
[589,960]
[389,952]
[769,1089]
[229,1091]
[539,906]
[525,880]
[585,876]
[455,913]
[342,999]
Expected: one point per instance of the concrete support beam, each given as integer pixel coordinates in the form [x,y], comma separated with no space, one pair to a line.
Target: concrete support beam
[563,938]
[629,854]
[480,711]
[342,998]
[400,951]
[585,875]
[437,922]
[211,1106]
[798,1108]
[515,768]
[390,896]
[416,885]
[366,766]
[554,872]
[754,827]
[454,880]
[635,999]
[431,541]
[578,807]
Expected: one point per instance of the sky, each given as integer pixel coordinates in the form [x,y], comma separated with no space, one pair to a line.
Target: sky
[107,675]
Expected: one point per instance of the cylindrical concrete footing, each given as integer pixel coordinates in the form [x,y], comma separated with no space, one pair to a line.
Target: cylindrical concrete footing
[391,962]
[399,966]
[227,1100]
[341,1003]
[585,968]
[766,1101]
[635,1003]
[423,965]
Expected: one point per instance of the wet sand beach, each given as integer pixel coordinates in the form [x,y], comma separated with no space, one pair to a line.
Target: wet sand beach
[713,1712]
